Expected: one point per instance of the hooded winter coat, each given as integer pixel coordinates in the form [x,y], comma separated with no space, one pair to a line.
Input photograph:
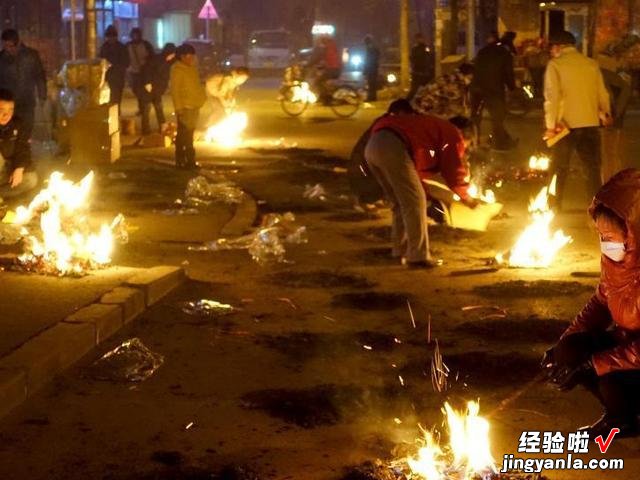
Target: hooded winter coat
[616,303]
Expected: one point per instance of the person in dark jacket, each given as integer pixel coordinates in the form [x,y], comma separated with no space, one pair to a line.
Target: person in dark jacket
[493,74]
[508,41]
[17,175]
[22,73]
[403,150]
[140,55]
[371,67]
[156,85]
[422,68]
[115,52]
[600,350]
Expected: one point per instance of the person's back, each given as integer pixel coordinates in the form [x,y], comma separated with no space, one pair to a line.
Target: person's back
[493,71]
[331,56]
[186,90]
[574,83]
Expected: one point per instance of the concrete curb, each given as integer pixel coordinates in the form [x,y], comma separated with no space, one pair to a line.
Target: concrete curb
[32,365]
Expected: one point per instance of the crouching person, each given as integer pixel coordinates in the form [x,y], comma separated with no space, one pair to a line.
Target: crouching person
[188,97]
[601,348]
[17,175]
[403,149]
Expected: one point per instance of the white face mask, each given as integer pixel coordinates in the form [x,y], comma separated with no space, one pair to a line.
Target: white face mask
[613,250]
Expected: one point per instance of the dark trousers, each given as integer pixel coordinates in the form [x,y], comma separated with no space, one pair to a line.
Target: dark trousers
[586,142]
[137,87]
[418,80]
[372,86]
[619,391]
[497,107]
[148,101]
[320,84]
[27,113]
[185,151]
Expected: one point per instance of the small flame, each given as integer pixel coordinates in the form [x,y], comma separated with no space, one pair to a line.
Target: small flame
[468,453]
[486,196]
[537,246]
[228,132]
[302,93]
[539,163]
[64,245]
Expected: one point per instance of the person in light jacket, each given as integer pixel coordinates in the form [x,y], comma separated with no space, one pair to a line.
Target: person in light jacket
[188,97]
[576,98]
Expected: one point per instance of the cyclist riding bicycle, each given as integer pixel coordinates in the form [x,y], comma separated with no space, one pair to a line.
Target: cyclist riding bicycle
[328,62]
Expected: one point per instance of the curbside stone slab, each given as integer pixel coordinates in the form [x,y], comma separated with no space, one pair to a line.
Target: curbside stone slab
[50,352]
[156,282]
[13,389]
[130,300]
[106,319]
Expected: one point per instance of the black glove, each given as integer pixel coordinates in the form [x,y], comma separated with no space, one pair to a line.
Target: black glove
[566,378]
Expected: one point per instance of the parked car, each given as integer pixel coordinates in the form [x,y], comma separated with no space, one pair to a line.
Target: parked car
[212,58]
[269,49]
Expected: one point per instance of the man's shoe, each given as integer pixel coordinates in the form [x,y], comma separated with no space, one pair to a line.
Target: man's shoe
[424,264]
[629,427]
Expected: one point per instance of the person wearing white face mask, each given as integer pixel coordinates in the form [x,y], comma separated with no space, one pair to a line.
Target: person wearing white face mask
[601,348]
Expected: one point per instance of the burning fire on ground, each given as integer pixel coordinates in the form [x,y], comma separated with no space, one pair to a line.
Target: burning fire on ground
[467,454]
[227,133]
[65,243]
[539,163]
[537,246]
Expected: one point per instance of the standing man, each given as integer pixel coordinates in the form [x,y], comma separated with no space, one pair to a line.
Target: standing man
[371,67]
[22,73]
[404,149]
[140,55]
[421,66]
[493,74]
[576,98]
[188,97]
[17,175]
[116,53]
[157,83]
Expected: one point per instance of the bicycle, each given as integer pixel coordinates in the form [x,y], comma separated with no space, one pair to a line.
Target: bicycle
[297,95]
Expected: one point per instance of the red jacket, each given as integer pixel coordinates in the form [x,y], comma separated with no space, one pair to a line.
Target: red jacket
[435,145]
[332,58]
[616,302]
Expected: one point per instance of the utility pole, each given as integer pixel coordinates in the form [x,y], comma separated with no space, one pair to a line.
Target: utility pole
[92,36]
[405,73]
[72,26]
[471,29]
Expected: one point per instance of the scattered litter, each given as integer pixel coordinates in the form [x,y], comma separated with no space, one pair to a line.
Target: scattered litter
[117,176]
[266,243]
[322,252]
[206,307]
[397,340]
[326,317]
[367,347]
[401,380]
[225,192]
[397,421]
[129,362]
[189,425]
[316,191]
[340,170]
[176,212]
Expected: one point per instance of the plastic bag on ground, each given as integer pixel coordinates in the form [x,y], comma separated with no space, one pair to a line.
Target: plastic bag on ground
[206,307]
[225,192]
[316,191]
[129,362]
[267,246]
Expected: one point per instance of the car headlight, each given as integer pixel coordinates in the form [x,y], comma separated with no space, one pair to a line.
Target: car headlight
[356,60]
[392,78]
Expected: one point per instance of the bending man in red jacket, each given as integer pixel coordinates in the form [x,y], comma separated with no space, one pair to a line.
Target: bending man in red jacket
[404,149]
[601,348]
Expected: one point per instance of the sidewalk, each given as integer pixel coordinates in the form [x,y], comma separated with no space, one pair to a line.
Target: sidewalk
[43,326]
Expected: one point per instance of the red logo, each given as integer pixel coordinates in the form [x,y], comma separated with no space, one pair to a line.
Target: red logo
[604,445]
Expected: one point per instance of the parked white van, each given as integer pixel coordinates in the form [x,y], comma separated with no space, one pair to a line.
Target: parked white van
[269,49]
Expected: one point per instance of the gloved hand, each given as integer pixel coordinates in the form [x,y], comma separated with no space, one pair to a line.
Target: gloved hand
[566,378]
[548,359]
